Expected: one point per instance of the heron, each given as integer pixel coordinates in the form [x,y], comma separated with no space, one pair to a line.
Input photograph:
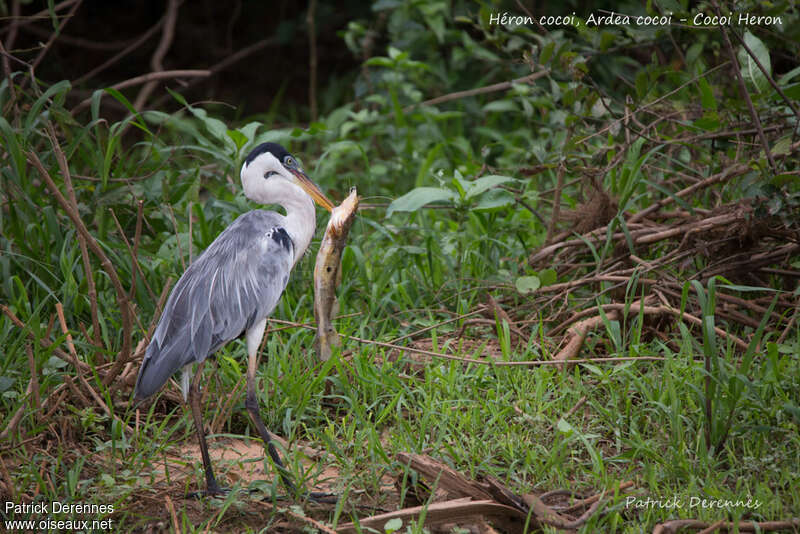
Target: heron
[232,288]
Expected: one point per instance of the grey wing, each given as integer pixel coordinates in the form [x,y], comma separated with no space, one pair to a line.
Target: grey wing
[233,284]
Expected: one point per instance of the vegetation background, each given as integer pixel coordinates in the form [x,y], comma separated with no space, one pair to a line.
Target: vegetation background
[623,194]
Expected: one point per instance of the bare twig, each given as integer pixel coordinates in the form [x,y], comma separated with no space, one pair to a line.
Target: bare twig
[224,64]
[135,254]
[105,262]
[653,103]
[789,102]
[582,503]
[745,94]
[87,264]
[569,353]
[171,509]
[9,484]
[29,19]
[8,46]
[134,45]
[50,41]
[312,58]
[569,414]
[17,417]
[86,386]
[532,363]
[712,528]
[742,526]
[150,76]
[480,309]
[551,228]
[157,61]
[699,322]
[441,512]
[37,403]
[502,86]
[44,342]
[727,174]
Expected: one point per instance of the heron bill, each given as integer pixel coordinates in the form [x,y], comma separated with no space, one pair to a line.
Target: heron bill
[312,189]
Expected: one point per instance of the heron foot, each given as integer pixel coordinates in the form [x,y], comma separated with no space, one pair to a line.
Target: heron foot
[211,491]
[322,497]
[318,497]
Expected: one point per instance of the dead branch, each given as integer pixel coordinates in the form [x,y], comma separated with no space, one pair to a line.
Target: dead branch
[745,93]
[156,61]
[676,525]
[144,78]
[447,478]
[454,511]
[502,86]
[105,262]
[50,41]
[135,44]
[577,335]
[224,64]
[84,383]
[17,417]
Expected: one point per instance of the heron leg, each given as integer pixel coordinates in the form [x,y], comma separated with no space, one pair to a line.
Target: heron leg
[251,403]
[212,488]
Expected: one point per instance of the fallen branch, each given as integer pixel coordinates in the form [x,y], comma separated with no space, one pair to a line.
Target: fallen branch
[454,511]
[741,526]
[447,478]
[529,363]
[577,335]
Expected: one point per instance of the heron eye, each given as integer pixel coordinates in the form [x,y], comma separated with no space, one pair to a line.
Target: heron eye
[289,161]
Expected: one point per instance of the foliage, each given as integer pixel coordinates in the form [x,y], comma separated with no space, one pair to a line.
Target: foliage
[464,184]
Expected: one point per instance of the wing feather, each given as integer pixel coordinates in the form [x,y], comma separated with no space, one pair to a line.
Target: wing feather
[232,285]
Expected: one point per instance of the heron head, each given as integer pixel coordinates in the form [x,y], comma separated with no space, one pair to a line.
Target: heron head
[270,174]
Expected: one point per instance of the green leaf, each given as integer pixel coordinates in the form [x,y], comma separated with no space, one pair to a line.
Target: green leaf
[789,76]
[494,199]
[416,198]
[249,130]
[548,277]
[547,52]
[501,105]
[783,147]
[122,99]
[393,525]
[527,284]
[179,97]
[56,90]
[748,65]
[792,91]
[707,95]
[214,126]
[379,62]
[564,427]
[486,182]
[238,138]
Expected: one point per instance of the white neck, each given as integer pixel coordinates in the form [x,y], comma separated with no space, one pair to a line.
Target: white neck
[300,219]
[301,222]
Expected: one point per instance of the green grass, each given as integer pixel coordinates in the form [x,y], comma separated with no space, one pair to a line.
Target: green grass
[420,267]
